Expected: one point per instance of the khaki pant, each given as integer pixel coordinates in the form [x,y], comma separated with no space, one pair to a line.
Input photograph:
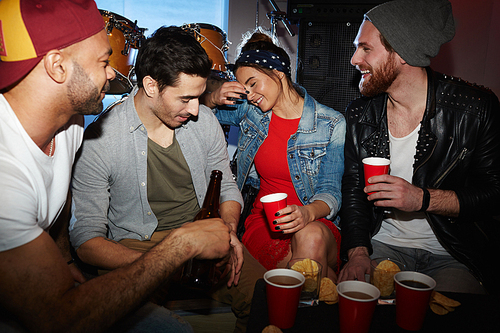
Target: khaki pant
[239,297]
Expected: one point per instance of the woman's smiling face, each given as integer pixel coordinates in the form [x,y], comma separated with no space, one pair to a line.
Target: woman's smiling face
[263,90]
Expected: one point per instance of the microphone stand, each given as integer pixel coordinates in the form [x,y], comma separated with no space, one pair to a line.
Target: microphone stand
[278,16]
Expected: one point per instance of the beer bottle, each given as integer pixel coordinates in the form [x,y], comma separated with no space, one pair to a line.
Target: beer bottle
[201,273]
[210,207]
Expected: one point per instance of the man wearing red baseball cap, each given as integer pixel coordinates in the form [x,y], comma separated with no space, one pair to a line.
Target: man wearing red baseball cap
[53,70]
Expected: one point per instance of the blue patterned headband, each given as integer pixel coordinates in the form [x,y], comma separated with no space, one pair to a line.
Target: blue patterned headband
[265,59]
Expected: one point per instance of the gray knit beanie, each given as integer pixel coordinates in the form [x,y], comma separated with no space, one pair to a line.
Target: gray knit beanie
[416,29]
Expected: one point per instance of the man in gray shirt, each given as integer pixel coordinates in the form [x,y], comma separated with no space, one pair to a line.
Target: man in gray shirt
[145,165]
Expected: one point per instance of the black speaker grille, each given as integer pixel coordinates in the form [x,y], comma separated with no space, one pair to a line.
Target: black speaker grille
[325,50]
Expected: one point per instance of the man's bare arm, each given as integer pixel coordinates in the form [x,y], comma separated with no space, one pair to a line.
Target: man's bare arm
[230,213]
[59,230]
[106,253]
[392,191]
[37,289]
[444,202]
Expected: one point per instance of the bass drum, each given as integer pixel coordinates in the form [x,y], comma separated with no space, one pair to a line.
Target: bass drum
[213,40]
[125,38]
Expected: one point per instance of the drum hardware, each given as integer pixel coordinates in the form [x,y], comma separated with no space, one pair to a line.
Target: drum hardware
[124,35]
[276,16]
[134,36]
[213,40]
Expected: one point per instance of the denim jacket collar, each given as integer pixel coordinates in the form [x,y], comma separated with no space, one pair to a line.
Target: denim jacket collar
[308,120]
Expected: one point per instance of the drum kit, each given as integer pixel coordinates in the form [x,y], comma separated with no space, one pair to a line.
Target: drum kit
[126,38]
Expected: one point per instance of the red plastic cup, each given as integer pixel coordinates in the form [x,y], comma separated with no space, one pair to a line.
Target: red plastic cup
[355,313]
[283,299]
[272,203]
[375,166]
[412,302]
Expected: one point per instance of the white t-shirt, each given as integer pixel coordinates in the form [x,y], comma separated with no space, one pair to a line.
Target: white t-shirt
[33,186]
[407,229]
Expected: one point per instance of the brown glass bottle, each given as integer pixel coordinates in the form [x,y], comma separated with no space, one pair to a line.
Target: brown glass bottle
[198,273]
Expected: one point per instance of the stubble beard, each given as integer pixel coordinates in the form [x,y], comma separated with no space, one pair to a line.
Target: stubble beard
[84,96]
[162,111]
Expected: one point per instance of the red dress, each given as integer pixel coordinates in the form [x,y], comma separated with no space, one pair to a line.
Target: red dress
[269,247]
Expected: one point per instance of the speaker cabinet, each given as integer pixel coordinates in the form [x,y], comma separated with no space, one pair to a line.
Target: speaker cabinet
[326,9]
[325,49]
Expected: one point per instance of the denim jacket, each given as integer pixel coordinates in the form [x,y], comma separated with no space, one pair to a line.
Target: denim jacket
[315,151]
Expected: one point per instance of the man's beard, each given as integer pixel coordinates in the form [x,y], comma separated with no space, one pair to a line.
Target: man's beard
[380,79]
[84,96]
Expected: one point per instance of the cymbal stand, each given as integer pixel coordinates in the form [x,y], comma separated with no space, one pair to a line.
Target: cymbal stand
[278,16]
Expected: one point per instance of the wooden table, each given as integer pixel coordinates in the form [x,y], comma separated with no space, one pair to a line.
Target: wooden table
[477,314]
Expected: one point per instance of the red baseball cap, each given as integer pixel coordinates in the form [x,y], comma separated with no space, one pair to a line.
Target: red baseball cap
[31,28]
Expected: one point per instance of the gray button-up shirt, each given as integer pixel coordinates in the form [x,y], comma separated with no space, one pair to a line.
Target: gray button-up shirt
[109,183]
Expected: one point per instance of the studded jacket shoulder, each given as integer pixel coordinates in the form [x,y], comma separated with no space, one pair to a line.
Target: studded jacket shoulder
[458,149]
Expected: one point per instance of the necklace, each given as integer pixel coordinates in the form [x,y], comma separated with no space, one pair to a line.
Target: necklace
[51,146]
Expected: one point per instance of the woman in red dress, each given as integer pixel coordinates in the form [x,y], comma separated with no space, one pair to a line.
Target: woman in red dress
[287,143]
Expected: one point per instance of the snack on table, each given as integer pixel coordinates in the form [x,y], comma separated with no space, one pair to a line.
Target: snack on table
[328,291]
[271,329]
[441,304]
[443,300]
[383,277]
[308,268]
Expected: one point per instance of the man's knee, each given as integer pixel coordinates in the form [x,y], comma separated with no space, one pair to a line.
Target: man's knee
[457,280]
[240,296]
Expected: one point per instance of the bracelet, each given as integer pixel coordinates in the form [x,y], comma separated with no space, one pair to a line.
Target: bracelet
[425,200]
[71,261]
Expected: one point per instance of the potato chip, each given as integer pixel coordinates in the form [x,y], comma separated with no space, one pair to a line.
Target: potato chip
[327,287]
[438,309]
[328,291]
[449,308]
[441,304]
[383,277]
[443,300]
[389,266]
[310,284]
[309,268]
[271,329]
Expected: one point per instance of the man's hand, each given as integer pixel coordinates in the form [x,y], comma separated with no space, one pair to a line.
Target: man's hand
[208,239]
[395,192]
[76,273]
[357,266]
[236,260]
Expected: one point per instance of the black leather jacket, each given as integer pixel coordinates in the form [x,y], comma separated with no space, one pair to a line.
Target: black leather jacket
[458,149]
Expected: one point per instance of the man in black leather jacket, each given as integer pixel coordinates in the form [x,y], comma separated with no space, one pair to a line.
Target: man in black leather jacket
[435,211]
